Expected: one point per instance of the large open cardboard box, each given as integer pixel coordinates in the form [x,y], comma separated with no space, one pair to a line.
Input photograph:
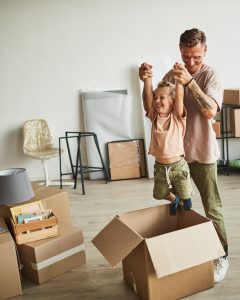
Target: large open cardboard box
[45,259]
[163,256]
[10,281]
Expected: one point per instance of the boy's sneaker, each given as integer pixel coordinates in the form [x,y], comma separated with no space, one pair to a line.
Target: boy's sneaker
[187,204]
[221,266]
[174,206]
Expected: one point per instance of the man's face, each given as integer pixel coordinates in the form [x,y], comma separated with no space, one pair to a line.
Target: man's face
[193,57]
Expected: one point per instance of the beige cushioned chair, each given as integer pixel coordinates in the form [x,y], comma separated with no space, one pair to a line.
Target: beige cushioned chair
[38,143]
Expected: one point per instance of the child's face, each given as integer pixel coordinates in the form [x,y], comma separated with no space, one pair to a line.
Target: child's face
[162,101]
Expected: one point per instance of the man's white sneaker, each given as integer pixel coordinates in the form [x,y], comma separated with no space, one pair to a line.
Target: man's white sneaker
[221,266]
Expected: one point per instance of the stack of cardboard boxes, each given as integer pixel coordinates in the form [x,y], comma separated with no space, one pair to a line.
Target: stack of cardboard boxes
[232,98]
[44,259]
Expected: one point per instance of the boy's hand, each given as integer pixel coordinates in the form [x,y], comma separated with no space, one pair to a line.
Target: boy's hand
[145,71]
[181,74]
[177,66]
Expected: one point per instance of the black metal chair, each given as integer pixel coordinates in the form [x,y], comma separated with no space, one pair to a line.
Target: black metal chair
[78,167]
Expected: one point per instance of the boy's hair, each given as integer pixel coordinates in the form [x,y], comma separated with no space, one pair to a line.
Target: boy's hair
[169,85]
[190,38]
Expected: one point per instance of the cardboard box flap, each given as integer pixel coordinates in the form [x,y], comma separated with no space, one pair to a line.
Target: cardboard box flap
[177,251]
[116,241]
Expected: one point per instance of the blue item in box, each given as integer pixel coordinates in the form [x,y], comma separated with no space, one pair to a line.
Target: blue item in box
[20,217]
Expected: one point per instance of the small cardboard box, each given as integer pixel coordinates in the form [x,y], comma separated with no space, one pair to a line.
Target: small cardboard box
[235,121]
[126,159]
[163,256]
[10,281]
[55,199]
[216,128]
[51,198]
[231,96]
[37,230]
[46,259]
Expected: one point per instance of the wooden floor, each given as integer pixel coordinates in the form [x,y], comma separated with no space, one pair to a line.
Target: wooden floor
[96,280]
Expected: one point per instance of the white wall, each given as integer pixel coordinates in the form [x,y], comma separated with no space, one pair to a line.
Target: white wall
[51,49]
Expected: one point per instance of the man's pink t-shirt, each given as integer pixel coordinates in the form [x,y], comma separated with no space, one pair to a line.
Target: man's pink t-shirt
[200,142]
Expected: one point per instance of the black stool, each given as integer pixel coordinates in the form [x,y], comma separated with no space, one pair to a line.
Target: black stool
[79,168]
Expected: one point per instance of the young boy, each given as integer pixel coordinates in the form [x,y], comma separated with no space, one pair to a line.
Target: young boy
[164,107]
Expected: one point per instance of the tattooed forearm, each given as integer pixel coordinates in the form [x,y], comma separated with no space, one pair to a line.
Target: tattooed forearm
[207,105]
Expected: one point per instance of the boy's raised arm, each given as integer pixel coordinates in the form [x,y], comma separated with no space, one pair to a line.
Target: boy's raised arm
[145,74]
[148,94]
[179,94]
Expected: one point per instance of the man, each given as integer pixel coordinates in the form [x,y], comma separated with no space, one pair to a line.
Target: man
[202,100]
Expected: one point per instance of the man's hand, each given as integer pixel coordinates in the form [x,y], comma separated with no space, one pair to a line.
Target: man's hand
[207,105]
[181,74]
[145,71]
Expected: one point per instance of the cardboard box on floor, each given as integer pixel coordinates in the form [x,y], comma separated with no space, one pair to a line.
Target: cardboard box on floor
[126,159]
[55,199]
[235,121]
[163,256]
[45,259]
[10,281]
[52,198]
[231,96]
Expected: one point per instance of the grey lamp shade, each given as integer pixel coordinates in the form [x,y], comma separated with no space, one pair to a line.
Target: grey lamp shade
[15,186]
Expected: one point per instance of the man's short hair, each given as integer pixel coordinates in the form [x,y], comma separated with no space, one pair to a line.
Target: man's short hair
[190,38]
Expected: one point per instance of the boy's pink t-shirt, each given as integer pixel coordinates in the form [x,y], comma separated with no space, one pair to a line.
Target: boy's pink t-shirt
[166,134]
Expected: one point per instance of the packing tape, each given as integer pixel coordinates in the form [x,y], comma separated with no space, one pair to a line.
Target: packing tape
[52,260]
